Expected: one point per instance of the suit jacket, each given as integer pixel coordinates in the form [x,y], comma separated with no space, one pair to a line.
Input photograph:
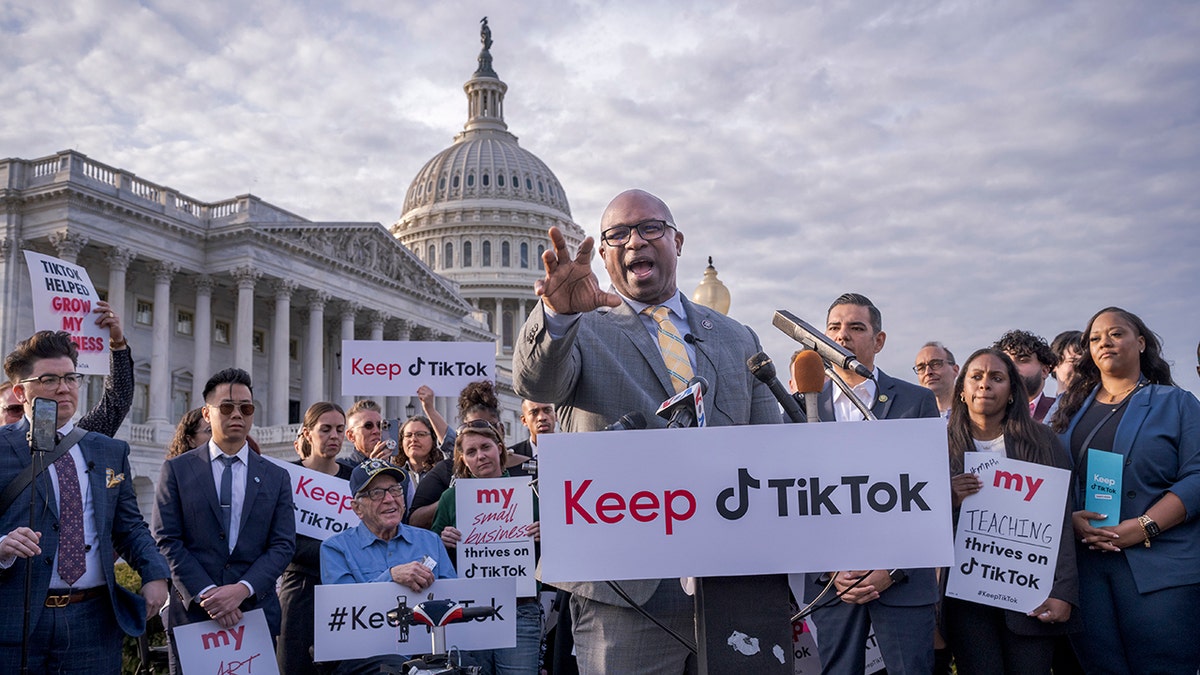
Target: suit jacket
[187,526]
[1159,436]
[894,399]
[607,365]
[119,525]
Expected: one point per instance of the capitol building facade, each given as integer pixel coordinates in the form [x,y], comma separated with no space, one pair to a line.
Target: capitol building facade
[202,286]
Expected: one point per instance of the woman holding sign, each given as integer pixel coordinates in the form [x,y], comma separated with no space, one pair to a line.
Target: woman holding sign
[1135,436]
[990,413]
[319,444]
[479,452]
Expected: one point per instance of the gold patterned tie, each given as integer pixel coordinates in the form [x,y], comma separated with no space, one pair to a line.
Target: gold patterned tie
[670,344]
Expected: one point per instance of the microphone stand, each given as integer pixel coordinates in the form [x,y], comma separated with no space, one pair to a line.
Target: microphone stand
[36,457]
[841,384]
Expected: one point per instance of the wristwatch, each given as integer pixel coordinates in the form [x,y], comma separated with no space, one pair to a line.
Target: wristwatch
[897,575]
[1149,528]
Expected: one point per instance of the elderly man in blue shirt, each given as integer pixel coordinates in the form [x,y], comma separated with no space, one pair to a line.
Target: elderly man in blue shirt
[381,548]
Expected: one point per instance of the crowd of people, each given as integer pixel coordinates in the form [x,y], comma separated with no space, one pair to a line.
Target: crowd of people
[222,541]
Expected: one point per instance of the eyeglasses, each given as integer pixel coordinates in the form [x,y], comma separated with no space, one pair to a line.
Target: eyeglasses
[371,425]
[376,494]
[72,379]
[415,434]
[649,230]
[227,408]
[14,409]
[930,365]
[479,425]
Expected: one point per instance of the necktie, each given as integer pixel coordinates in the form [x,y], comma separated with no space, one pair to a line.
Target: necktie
[227,492]
[670,345]
[70,521]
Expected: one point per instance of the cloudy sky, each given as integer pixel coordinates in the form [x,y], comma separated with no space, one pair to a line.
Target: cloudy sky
[970,166]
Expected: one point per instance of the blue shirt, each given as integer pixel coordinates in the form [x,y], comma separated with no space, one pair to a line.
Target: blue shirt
[356,556]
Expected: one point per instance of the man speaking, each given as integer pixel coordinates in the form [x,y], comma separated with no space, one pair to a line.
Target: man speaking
[598,355]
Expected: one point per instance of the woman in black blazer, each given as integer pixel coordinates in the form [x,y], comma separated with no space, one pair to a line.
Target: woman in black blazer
[990,413]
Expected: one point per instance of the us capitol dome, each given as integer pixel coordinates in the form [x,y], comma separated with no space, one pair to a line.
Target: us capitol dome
[478,211]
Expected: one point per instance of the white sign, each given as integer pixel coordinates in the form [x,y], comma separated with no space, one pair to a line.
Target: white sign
[63,299]
[206,648]
[492,514]
[351,619]
[391,368]
[724,501]
[806,641]
[322,502]
[1006,546]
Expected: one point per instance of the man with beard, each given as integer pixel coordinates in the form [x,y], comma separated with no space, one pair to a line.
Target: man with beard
[1034,360]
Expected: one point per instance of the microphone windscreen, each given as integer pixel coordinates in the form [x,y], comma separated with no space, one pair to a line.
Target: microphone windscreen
[808,372]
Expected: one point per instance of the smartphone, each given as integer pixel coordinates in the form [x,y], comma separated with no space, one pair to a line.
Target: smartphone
[45,424]
[391,436]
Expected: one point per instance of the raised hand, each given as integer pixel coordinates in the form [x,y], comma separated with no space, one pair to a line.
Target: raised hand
[570,286]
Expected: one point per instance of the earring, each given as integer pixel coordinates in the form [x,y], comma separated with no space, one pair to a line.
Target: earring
[1010,400]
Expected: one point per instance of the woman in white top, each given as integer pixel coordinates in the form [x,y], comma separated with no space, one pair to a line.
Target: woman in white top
[990,413]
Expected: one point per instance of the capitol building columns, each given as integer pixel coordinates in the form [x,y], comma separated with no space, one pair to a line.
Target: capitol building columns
[201,368]
[280,384]
[243,348]
[159,401]
[313,370]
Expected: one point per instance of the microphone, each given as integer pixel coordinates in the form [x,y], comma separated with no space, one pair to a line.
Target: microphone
[763,368]
[630,420]
[691,339]
[801,331]
[685,409]
[91,465]
[808,375]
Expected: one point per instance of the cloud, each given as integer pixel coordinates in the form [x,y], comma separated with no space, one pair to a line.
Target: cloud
[972,168]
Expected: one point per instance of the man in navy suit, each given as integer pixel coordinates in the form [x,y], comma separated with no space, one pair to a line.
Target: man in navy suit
[223,517]
[85,514]
[898,603]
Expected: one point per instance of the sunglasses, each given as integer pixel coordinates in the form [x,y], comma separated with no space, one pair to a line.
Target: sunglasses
[478,425]
[371,425]
[14,409]
[227,408]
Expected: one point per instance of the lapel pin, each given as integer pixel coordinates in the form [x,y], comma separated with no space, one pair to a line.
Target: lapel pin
[706,324]
[883,398]
[256,480]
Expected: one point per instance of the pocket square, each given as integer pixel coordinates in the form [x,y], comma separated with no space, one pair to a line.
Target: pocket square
[112,479]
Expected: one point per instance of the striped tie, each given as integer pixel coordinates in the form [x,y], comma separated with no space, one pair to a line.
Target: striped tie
[670,344]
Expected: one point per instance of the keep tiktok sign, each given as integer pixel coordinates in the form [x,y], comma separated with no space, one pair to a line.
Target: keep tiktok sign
[723,501]
[391,368]
[1006,546]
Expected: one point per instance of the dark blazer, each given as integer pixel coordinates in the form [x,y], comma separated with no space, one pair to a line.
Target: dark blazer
[1159,436]
[187,526]
[119,525]
[894,399]
[607,365]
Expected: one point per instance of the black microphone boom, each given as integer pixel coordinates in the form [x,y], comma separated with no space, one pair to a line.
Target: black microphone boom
[801,331]
[630,420]
[763,368]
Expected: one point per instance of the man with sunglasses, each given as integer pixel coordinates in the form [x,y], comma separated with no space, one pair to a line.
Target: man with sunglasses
[86,514]
[223,517]
[596,355]
[364,428]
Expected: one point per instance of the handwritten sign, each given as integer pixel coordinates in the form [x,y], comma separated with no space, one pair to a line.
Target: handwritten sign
[205,648]
[322,502]
[351,619]
[391,368]
[492,514]
[63,299]
[880,490]
[1006,546]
